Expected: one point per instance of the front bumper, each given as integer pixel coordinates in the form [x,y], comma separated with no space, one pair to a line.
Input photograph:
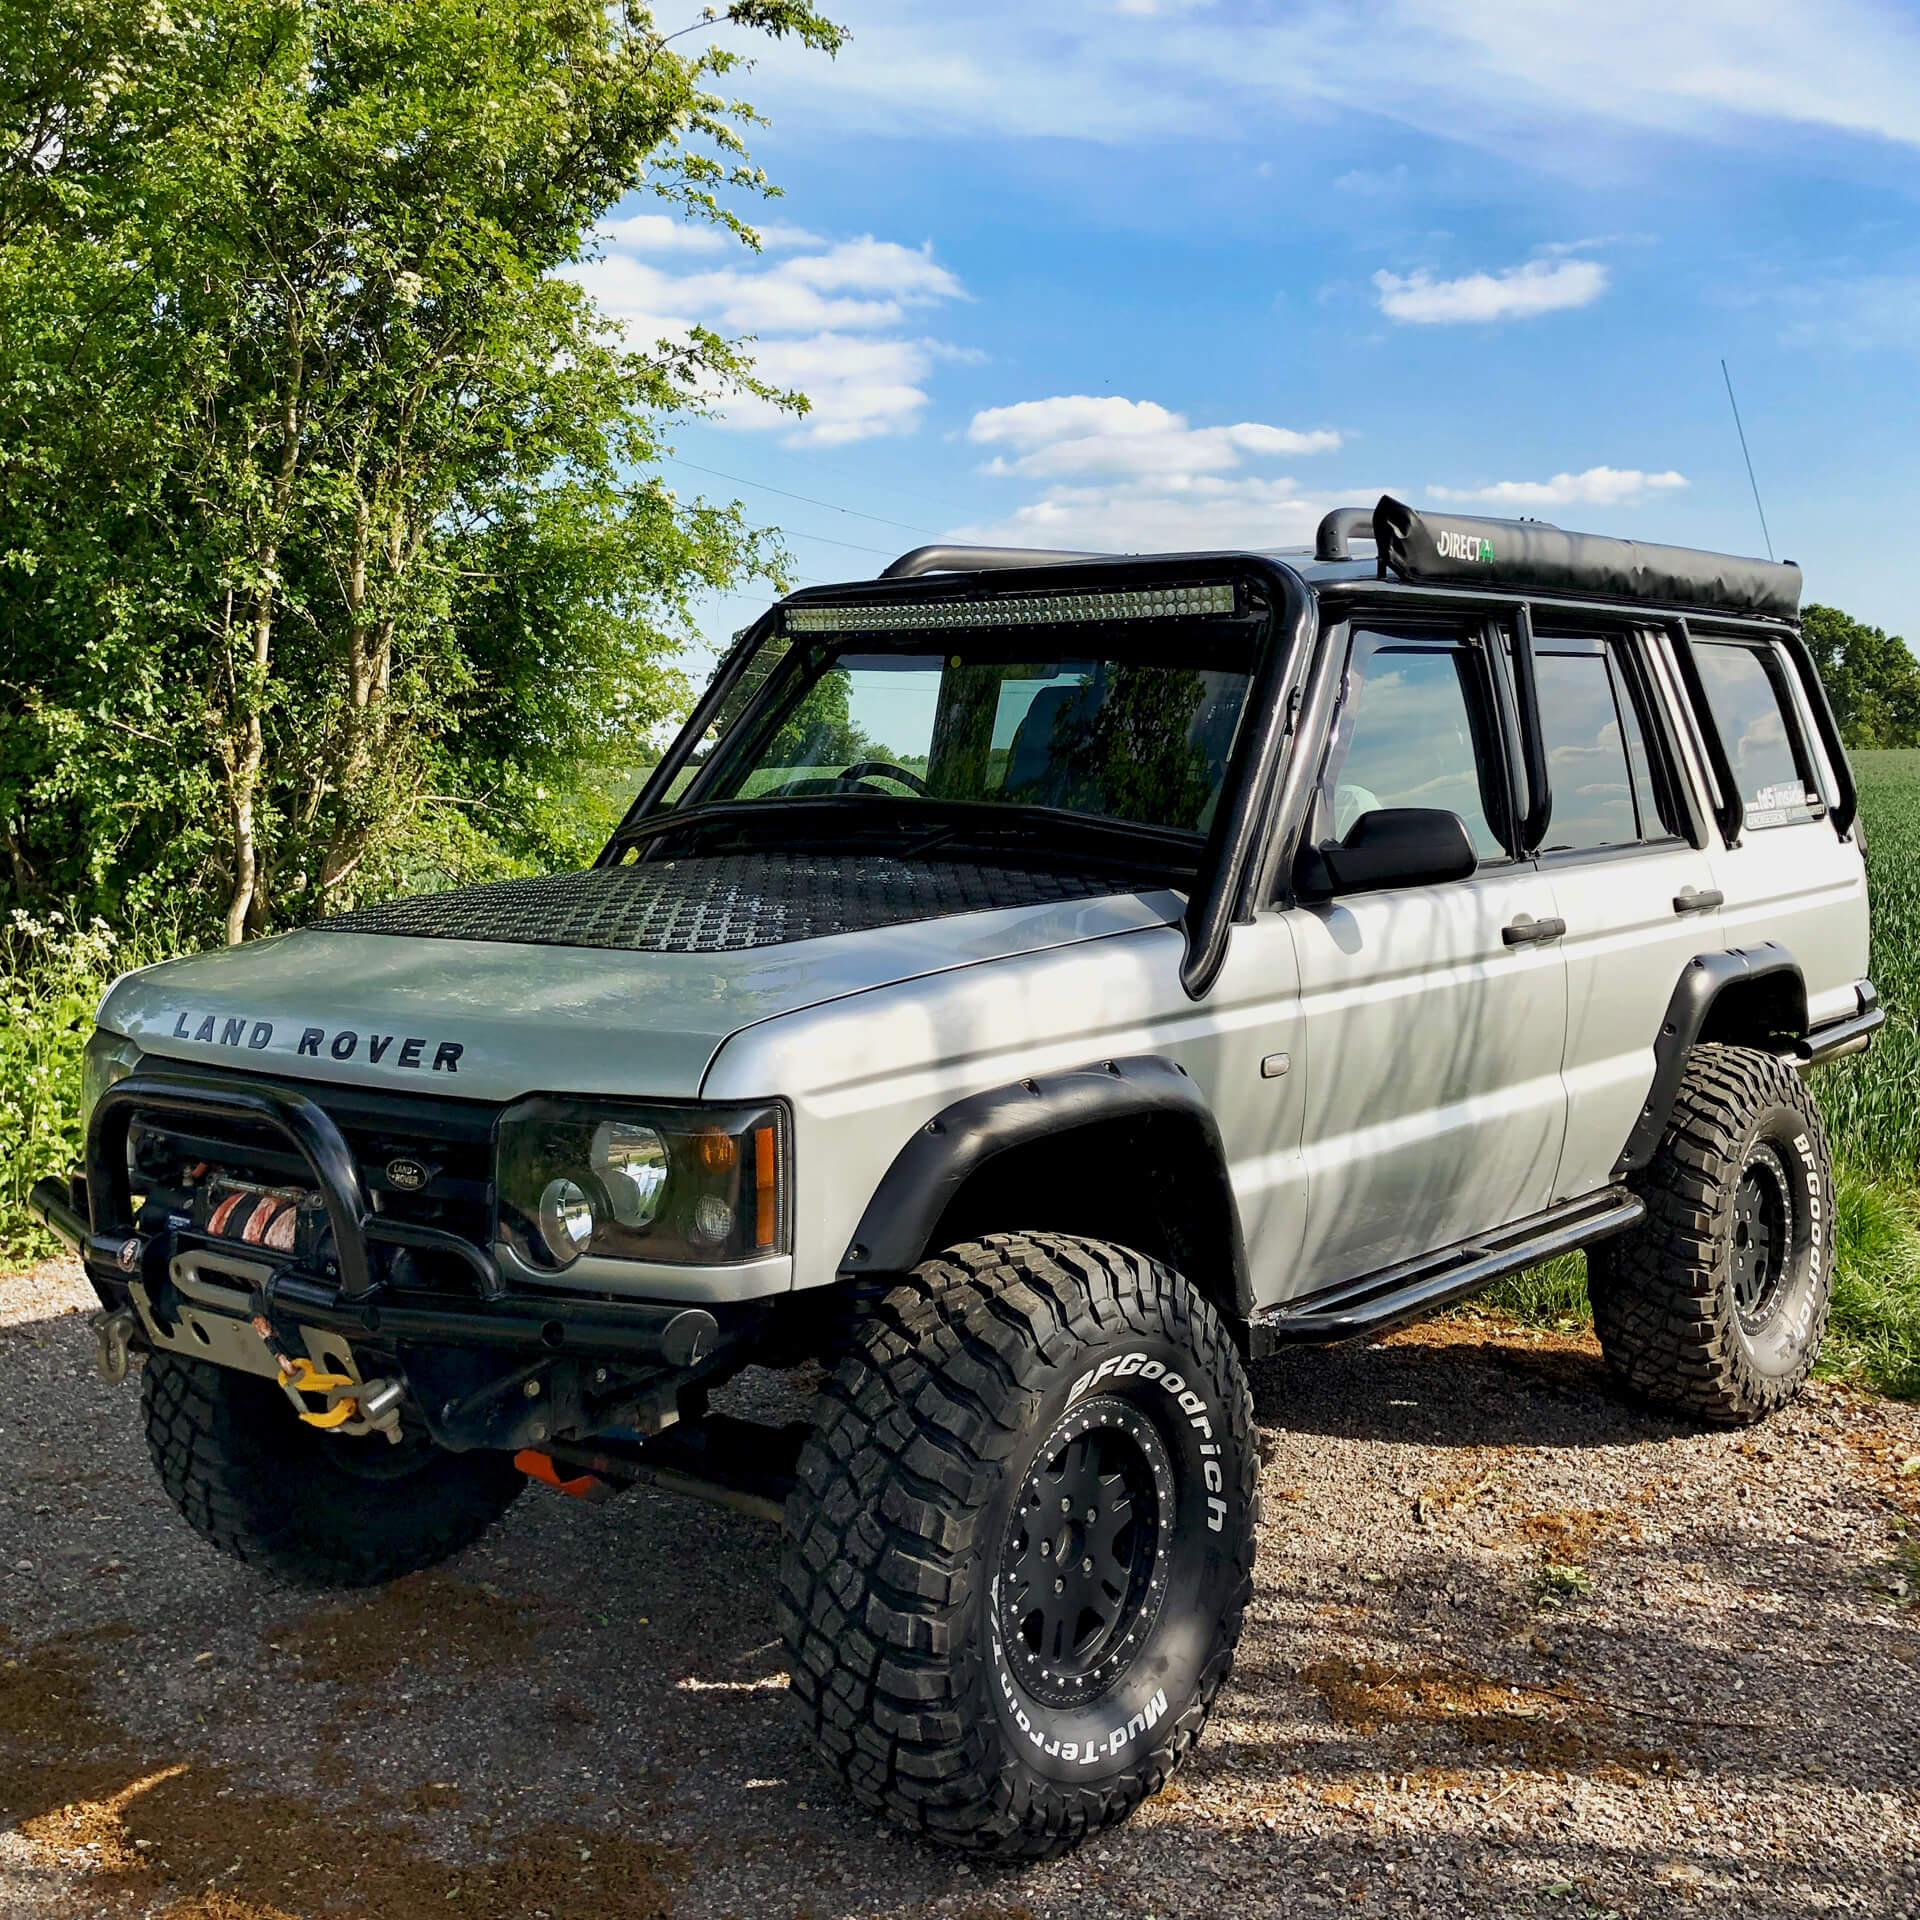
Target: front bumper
[158,1266]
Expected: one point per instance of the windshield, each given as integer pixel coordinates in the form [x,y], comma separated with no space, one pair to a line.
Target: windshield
[1121,726]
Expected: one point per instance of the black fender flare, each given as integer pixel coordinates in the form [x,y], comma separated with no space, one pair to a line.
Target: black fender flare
[1707,977]
[896,1230]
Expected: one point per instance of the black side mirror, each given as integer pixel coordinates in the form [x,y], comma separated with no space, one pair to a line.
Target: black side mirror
[1392,847]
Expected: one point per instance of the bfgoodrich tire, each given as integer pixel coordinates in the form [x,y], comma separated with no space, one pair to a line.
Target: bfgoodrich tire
[308,1508]
[1022,1542]
[1714,1306]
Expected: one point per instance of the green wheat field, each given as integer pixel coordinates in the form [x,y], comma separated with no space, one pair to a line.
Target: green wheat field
[1872,1108]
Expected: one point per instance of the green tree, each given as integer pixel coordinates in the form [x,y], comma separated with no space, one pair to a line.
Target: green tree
[331,544]
[1872,679]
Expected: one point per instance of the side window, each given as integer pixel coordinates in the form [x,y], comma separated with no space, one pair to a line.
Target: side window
[1747,690]
[1607,789]
[1414,730]
[1587,764]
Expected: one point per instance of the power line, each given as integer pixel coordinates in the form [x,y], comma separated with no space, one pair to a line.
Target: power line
[797,533]
[913,493]
[806,499]
[1746,456]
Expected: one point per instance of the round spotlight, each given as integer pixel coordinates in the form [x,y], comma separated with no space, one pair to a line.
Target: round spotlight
[566,1221]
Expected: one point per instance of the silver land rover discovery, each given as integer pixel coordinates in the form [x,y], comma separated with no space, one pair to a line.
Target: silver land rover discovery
[1033,986]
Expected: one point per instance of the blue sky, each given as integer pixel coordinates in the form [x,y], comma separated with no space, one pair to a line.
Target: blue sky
[1134,274]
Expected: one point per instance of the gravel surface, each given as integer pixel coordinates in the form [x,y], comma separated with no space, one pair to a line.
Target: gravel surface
[1516,1648]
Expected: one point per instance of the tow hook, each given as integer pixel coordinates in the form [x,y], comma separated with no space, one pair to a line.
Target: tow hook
[113,1331]
[376,1403]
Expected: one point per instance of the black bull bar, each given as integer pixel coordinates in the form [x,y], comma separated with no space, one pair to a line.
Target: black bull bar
[357,1300]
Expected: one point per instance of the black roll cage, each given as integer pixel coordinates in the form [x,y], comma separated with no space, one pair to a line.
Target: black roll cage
[1250,852]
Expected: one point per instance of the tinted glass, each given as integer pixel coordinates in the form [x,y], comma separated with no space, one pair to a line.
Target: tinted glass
[1587,764]
[1654,809]
[1128,739]
[1747,706]
[1406,737]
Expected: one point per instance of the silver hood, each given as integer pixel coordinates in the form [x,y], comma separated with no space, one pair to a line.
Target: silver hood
[492,1019]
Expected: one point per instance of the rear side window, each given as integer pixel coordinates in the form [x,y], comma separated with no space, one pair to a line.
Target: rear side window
[1747,690]
[1605,791]
[1414,731]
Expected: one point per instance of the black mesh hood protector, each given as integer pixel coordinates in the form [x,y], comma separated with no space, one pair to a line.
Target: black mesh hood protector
[1458,550]
[719,903]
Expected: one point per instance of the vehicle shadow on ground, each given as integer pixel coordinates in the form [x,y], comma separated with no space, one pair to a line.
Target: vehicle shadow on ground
[1457,1386]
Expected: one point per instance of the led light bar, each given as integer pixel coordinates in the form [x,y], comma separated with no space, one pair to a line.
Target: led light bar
[1024,610]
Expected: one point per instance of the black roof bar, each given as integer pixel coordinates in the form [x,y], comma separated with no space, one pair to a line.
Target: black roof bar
[979,560]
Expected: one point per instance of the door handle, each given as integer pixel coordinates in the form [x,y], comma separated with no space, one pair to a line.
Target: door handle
[1698,899]
[1527,931]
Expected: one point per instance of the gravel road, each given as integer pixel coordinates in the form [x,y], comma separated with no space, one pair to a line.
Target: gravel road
[1516,1648]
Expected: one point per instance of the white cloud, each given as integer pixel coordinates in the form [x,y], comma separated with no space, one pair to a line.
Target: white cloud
[1540,286]
[1078,433]
[1132,476]
[1596,487]
[836,319]
[1153,516]
[1537,79]
[666,233]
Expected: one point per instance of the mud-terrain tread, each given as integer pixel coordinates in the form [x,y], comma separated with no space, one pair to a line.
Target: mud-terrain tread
[874,1587]
[205,1429]
[1660,1305]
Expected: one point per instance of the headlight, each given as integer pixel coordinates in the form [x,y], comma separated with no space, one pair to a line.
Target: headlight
[700,1186]
[108,1057]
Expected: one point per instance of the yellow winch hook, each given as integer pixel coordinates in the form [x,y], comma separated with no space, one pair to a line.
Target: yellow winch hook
[299,1373]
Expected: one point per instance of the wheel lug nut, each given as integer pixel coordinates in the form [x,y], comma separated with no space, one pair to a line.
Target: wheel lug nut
[1066,1505]
[1059,1586]
[1046,1548]
[1086,1566]
[1093,1514]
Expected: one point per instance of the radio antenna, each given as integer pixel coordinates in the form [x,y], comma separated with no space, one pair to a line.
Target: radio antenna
[1748,458]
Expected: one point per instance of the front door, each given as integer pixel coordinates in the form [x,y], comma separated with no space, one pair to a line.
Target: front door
[1432,1017]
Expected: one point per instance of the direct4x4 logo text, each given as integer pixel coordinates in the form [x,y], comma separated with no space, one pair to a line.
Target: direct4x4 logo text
[1464,546]
[408,1050]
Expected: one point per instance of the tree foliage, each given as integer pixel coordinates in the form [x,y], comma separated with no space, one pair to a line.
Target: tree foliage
[332,547]
[1872,679]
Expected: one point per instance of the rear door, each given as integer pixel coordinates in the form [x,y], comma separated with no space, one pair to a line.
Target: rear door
[1638,897]
[1789,879]
[1432,1019]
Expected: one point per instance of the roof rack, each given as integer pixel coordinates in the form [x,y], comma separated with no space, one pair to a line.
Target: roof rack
[978,560]
[1521,555]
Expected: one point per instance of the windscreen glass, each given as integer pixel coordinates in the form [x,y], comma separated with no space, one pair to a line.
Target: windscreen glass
[1134,726]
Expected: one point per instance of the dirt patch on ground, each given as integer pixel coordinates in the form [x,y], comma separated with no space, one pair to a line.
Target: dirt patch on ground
[427,1618]
[185,1839]
[1535,1726]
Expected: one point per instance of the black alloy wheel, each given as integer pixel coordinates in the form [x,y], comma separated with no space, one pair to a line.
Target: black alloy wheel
[1080,1575]
[1762,1237]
